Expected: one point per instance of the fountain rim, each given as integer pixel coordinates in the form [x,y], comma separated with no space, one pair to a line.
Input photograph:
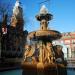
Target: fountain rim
[52,34]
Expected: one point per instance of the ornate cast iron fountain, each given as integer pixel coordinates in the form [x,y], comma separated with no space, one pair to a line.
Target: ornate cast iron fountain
[40,55]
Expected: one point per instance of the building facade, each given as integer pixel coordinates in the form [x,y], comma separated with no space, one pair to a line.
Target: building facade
[68,43]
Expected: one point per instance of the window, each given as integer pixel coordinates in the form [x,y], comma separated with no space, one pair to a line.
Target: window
[67,52]
[67,41]
[73,41]
[73,54]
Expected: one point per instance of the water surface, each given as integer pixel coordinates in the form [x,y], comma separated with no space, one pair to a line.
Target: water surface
[19,72]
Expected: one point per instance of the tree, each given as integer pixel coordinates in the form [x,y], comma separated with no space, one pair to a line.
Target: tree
[5,9]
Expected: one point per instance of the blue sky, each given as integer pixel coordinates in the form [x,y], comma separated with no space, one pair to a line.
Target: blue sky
[63,14]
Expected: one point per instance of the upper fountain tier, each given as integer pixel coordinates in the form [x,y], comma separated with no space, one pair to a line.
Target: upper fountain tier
[44,14]
[44,33]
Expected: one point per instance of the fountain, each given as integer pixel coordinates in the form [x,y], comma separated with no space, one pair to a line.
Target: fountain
[41,57]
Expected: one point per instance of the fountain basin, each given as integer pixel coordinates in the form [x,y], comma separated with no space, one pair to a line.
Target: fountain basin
[43,69]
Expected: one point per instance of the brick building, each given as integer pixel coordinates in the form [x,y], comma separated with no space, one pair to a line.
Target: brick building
[68,43]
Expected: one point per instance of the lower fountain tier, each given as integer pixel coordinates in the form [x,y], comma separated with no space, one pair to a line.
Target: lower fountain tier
[45,35]
[43,69]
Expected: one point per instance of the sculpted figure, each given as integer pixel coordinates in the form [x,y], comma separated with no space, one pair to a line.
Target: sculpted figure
[28,55]
[59,53]
[49,56]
